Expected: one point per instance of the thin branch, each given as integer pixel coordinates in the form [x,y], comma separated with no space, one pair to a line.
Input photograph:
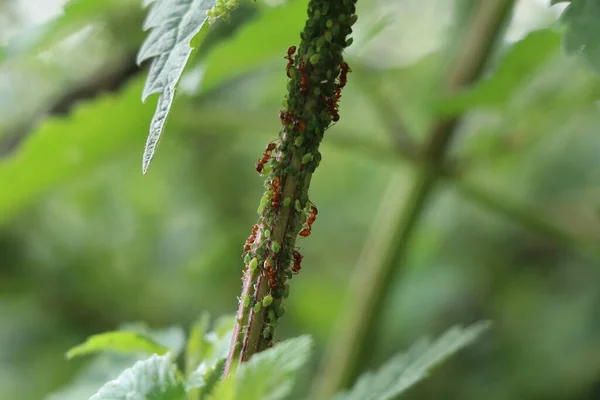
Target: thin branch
[351,347]
[311,106]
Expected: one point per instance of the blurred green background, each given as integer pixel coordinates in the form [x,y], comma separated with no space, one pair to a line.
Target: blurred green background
[87,242]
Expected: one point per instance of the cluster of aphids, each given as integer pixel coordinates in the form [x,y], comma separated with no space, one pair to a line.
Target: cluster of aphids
[290,120]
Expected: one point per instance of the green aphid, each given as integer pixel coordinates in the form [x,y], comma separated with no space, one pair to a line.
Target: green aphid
[287,201]
[267,233]
[335,30]
[286,290]
[275,246]
[329,23]
[297,206]
[267,332]
[271,315]
[280,311]
[328,36]
[349,42]
[299,140]
[314,59]
[257,307]
[246,300]
[307,158]
[266,302]
[253,264]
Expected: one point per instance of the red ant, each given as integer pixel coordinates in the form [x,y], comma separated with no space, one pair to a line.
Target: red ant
[289,118]
[260,164]
[345,68]
[276,193]
[271,274]
[290,63]
[297,261]
[332,107]
[305,232]
[250,239]
[304,79]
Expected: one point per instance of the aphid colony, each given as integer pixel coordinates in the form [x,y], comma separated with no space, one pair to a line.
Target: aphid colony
[288,120]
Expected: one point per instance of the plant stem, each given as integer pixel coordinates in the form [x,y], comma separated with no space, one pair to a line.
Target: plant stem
[352,344]
[313,92]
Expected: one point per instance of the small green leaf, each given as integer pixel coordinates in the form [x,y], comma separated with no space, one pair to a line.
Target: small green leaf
[582,22]
[173,24]
[195,347]
[204,378]
[406,369]
[156,378]
[118,341]
[267,375]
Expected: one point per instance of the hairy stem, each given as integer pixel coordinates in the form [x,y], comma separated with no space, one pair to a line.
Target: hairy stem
[317,75]
[352,343]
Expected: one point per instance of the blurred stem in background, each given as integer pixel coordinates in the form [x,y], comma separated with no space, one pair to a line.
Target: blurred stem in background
[381,261]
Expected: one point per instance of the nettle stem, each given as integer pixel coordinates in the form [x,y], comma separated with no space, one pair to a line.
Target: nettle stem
[317,75]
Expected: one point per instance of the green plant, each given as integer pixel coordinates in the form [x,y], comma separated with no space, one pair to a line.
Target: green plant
[239,358]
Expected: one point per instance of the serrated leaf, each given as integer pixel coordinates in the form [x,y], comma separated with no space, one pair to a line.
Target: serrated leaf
[155,378]
[406,369]
[117,341]
[519,63]
[582,21]
[174,24]
[268,375]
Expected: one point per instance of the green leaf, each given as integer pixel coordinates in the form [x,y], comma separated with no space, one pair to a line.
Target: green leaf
[102,368]
[209,346]
[172,337]
[118,341]
[156,378]
[173,24]
[582,22]
[206,353]
[195,347]
[63,147]
[406,369]
[267,375]
[517,65]
[204,378]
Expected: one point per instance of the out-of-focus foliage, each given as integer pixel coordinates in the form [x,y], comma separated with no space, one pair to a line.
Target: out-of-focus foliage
[87,243]
[582,30]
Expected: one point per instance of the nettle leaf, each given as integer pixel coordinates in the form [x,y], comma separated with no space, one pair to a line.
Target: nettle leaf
[156,378]
[406,369]
[516,66]
[117,341]
[173,24]
[268,375]
[582,21]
